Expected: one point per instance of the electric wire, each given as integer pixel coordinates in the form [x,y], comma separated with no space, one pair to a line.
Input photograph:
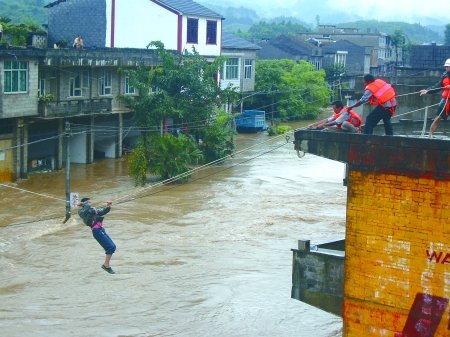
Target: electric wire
[139,193]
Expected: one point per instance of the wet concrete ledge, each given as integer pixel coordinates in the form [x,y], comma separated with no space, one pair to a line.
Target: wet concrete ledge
[414,157]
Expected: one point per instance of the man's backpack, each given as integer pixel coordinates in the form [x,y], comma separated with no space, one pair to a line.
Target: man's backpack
[88,215]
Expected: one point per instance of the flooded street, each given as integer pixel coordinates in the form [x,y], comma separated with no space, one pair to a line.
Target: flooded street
[207,258]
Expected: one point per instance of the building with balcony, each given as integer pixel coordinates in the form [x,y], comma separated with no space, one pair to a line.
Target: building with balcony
[42,89]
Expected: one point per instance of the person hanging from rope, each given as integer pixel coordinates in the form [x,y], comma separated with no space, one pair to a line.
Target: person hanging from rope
[382,94]
[93,217]
[343,119]
[444,105]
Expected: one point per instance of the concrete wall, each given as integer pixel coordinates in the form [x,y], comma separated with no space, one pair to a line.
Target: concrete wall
[397,232]
[318,276]
[23,103]
[398,253]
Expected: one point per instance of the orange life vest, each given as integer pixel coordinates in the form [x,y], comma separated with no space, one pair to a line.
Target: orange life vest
[353,119]
[446,94]
[382,92]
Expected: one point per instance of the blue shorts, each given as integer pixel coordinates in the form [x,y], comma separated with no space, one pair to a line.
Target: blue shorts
[104,240]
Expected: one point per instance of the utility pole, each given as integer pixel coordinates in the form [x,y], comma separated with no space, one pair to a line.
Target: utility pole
[67,133]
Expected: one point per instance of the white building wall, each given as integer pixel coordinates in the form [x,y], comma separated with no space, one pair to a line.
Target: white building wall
[201,47]
[139,22]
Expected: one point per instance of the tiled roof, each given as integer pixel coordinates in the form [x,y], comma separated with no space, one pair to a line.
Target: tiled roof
[231,41]
[188,7]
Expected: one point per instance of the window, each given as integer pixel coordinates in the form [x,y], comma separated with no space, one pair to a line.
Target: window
[232,69]
[248,68]
[41,87]
[192,30]
[16,76]
[77,83]
[105,84]
[128,88]
[211,32]
[75,86]
[340,58]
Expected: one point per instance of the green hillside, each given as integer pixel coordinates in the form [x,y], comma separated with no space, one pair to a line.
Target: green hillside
[24,11]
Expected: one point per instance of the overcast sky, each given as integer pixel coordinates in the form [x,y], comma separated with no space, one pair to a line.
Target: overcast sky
[412,11]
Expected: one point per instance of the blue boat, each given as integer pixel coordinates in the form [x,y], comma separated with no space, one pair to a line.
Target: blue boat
[251,121]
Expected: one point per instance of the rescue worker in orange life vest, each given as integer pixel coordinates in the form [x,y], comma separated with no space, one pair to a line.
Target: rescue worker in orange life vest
[344,119]
[444,105]
[380,93]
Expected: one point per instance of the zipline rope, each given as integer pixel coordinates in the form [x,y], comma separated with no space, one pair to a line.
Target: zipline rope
[39,194]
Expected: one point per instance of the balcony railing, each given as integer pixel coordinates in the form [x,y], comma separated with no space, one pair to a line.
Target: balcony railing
[75,107]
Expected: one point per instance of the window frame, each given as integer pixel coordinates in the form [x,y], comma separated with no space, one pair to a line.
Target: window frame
[231,69]
[16,72]
[41,87]
[129,89]
[192,30]
[211,32]
[248,69]
[340,58]
[105,83]
[75,86]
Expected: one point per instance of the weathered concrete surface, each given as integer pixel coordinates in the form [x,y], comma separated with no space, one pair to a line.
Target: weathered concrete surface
[318,275]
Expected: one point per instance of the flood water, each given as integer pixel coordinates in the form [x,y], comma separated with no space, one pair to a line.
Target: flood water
[211,257]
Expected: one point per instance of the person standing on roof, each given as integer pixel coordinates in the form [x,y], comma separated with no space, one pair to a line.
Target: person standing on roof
[444,105]
[93,217]
[382,94]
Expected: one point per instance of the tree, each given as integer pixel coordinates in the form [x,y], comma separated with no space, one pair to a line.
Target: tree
[447,35]
[18,34]
[398,40]
[293,89]
[182,87]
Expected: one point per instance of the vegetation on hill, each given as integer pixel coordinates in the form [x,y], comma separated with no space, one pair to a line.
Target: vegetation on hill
[24,11]
[266,30]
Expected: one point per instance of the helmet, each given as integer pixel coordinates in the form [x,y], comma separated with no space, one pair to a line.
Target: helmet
[447,63]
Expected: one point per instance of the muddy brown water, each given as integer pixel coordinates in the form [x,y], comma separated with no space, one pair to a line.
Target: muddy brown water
[207,258]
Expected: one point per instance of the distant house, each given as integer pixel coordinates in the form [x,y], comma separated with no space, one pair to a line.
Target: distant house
[291,47]
[179,24]
[382,58]
[354,58]
[239,67]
